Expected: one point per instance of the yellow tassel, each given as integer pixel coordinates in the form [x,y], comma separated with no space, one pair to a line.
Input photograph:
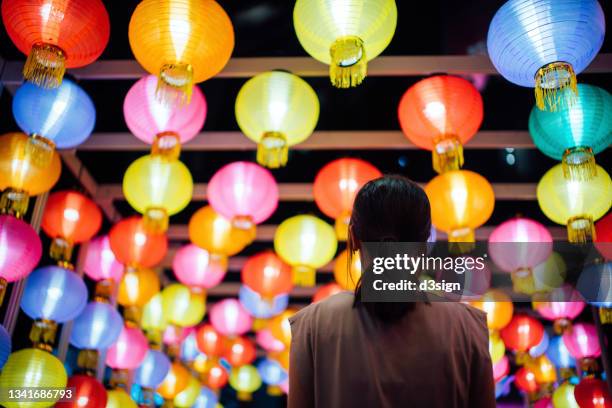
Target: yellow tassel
[132,315]
[175,84]
[447,154]
[87,359]
[61,250]
[605,315]
[461,240]
[167,145]
[43,333]
[349,65]
[579,164]
[272,150]
[104,290]
[304,276]
[580,229]
[155,220]
[3,286]
[556,86]
[341,225]
[14,202]
[274,391]
[45,66]
[244,396]
[522,281]
[39,150]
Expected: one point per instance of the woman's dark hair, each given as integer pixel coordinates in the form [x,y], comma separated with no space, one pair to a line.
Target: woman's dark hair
[388,209]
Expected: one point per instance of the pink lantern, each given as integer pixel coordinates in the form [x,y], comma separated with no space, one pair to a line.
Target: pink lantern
[501,369]
[518,245]
[474,281]
[545,402]
[196,267]
[230,318]
[582,341]
[284,386]
[243,192]
[268,342]
[20,250]
[129,350]
[151,120]
[100,261]
[561,305]
[174,335]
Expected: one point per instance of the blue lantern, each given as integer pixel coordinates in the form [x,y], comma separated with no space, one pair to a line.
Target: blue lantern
[541,347]
[5,346]
[153,369]
[559,354]
[544,44]
[595,284]
[260,308]
[189,348]
[97,328]
[64,115]
[54,293]
[271,372]
[206,399]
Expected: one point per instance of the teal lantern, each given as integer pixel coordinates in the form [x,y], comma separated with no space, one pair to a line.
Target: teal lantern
[575,134]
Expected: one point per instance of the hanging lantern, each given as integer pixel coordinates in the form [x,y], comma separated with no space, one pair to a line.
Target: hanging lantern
[129,351]
[562,305]
[592,393]
[152,370]
[134,246]
[206,399]
[540,348]
[267,274]
[563,397]
[137,287]
[461,201]
[21,176]
[239,351]
[501,369]
[575,134]
[56,36]
[118,398]
[20,251]
[544,44]
[102,266]
[498,306]
[187,397]
[245,380]
[603,236]
[97,327]
[268,342]
[583,344]
[153,320]
[183,307]
[347,276]
[326,291]
[543,369]
[209,341]
[522,333]
[244,193]
[345,35]
[189,348]
[559,354]
[87,392]
[197,268]
[281,328]
[276,110]
[175,335]
[157,188]
[212,232]
[175,381]
[216,377]
[441,114]
[525,380]
[497,348]
[576,204]
[272,374]
[69,218]
[165,127]
[550,274]
[306,243]
[517,246]
[336,186]
[183,42]
[259,307]
[229,318]
[5,346]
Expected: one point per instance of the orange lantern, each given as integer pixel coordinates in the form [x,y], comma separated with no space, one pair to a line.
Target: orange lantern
[326,291]
[336,186]
[56,35]
[137,287]
[441,113]
[209,341]
[239,351]
[267,274]
[544,370]
[522,333]
[135,247]
[175,381]
[214,233]
[461,201]
[347,276]
[525,380]
[280,327]
[498,307]
[215,377]
[282,357]
[69,218]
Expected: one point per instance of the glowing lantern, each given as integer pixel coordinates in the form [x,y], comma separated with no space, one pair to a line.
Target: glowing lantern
[583,344]
[216,377]
[5,346]
[118,398]
[239,351]
[592,393]
[174,335]
[559,354]
[212,232]
[152,370]
[21,175]
[206,399]
[501,368]
[497,348]
[336,186]
[441,114]
[603,236]
[182,42]
[164,126]
[56,36]
[183,307]
[326,291]
[33,368]
[461,201]
[281,328]
[129,350]
[347,276]
[525,380]
[209,340]
[157,188]
[522,333]
[563,396]
[498,307]
[88,393]
[20,251]
[272,374]
[245,380]
[69,218]
[267,274]
[243,192]
[276,110]
[137,287]
[550,274]
[229,318]
[306,243]
[543,369]
[153,320]
[189,348]
[282,358]
[259,307]
[575,203]
[97,327]
[268,342]
[518,245]
[540,348]
[345,35]
[175,381]
[575,134]
[197,268]
[134,246]
[100,261]
[544,44]
[187,397]
[561,305]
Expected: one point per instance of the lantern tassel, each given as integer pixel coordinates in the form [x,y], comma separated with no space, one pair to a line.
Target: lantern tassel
[155,220]
[14,202]
[45,66]
[580,229]
[522,281]
[39,150]
[605,315]
[246,224]
[274,390]
[244,396]
[167,145]
[43,333]
[175,84]
[348,65]
[579,164]
[272,150]
[304,276]
[556,86]
[87,359]
[461,240]
[61,250]
[3,286]
[447,154]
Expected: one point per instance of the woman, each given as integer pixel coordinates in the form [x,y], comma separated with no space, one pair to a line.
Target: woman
[348,353]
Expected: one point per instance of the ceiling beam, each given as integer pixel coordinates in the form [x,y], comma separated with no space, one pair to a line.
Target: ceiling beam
[320,140]
[226,289]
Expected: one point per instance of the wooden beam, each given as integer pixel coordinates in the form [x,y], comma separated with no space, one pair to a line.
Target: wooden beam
[231,289]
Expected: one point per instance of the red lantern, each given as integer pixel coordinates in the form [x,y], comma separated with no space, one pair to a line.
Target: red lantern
[592,393]
[603,236]
[522,333]
[525,380]
[441,114]
[215,377]
[267,274]
[88,393]
[134,246]
[326,291]
[239,351]
[209,340]
[56,35]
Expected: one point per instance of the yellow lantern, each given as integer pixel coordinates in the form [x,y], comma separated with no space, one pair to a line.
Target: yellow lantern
[280,328]
[118,398]
[32,368]
[276,110]
[575,203]
[347,276]
[21,175]
[543,369]
[550,274]
[153,319]
[182,306]
[137,287]
[563,397]
[157,188]
[497,348]
[306,243]
[188,396]
[182,41]
[498,307]
[214,233]
[245,380]
[345,34]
